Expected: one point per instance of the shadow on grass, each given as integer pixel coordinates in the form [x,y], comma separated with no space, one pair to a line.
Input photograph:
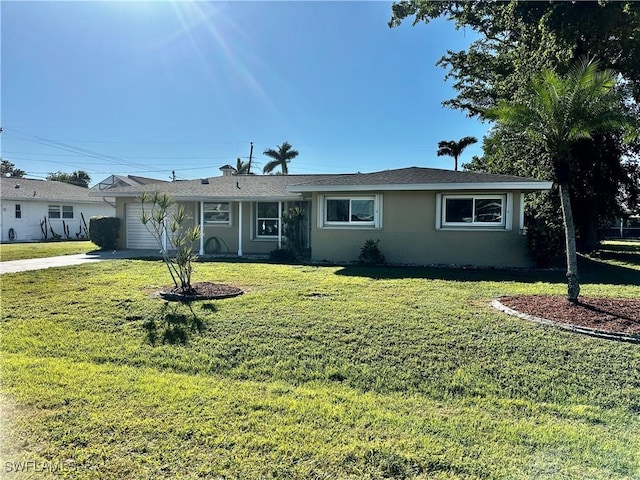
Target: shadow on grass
[590,272]
[173,327]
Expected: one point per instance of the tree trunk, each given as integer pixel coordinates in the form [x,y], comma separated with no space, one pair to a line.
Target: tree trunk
[573,285]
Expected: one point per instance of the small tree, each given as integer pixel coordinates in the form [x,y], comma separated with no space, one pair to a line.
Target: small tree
[165,222]
[559,112]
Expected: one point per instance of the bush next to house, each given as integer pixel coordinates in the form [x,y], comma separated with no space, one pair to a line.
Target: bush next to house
[545,231]
[370,254]
[104,232]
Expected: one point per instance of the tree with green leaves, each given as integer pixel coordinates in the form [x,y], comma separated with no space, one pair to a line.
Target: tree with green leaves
[167,223]
[281,158]
[558,113]
[517,40]
[79,178]
[9,170]
[454,149]
[242,167]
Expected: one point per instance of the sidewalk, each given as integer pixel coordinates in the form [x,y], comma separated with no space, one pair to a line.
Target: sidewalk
[15,266]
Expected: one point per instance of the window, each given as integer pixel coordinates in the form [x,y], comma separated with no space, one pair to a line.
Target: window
[267,219]
[354,211]
[58,211]
[54,211]
[67,211]
[18,210]
[473,211]
[217,213]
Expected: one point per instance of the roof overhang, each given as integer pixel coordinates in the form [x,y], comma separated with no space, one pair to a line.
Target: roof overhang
[530,186]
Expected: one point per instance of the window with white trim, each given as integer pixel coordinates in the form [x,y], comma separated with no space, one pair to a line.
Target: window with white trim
[473,210]
[267,219]
[217,213]
[349,211]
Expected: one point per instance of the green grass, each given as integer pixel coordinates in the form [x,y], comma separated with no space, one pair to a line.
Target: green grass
[624,253]
[22,251]
[315,372]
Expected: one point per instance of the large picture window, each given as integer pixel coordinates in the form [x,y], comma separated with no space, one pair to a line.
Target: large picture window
[267,219]
[476,210]
[350,211]
[217,213]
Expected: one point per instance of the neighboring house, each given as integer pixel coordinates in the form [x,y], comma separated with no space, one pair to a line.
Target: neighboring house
[116,181]
[420,215]
[26,203]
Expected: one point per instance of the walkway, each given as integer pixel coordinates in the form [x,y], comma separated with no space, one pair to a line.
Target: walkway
[15,266]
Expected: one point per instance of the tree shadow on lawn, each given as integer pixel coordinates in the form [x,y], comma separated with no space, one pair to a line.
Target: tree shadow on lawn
[174,327]
[590,271]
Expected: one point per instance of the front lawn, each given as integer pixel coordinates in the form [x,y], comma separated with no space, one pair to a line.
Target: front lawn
[22,251]
[315,372]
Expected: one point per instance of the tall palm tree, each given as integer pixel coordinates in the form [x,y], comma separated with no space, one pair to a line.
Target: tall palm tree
[281,157]
[559,112]
[453,149]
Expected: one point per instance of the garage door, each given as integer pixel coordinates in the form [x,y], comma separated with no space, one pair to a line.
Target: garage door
[137,234]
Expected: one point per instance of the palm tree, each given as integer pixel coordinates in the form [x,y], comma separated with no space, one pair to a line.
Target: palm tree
[453,149]
[281,157]
[559,112]
[242,167]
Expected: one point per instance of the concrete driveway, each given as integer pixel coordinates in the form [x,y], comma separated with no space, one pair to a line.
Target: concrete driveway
[14,266]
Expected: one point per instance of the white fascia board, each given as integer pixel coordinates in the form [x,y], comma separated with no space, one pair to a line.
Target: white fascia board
[424,186]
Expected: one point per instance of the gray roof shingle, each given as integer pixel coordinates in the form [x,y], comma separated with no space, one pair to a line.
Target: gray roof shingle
[289,187]
[232,187]
[415,176]
[27,189]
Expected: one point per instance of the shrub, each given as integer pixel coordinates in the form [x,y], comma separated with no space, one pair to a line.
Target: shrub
[104,232]
[370,253]
[282,255]
[545,230]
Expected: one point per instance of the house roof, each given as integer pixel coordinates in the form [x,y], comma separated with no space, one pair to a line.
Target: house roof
[290,187]
[232,188]
[25,189]
[417,178]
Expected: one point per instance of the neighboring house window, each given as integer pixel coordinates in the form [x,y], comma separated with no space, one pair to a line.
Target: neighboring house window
[67,211]
[217,213]
[54,211]
[18,210]
[473,211]
[350,211]
[58,211]
[267,219]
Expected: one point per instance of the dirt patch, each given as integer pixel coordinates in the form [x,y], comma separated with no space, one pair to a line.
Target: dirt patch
[602,314]
[200,291]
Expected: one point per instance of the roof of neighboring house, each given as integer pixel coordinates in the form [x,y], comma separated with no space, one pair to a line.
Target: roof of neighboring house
[24,189]
[115,181]
[289,187]
[417,178]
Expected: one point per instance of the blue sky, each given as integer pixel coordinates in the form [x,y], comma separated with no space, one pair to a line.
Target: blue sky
[146,88]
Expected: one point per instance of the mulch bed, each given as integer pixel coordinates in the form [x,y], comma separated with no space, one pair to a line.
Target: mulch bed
[203,291]
[602,314]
